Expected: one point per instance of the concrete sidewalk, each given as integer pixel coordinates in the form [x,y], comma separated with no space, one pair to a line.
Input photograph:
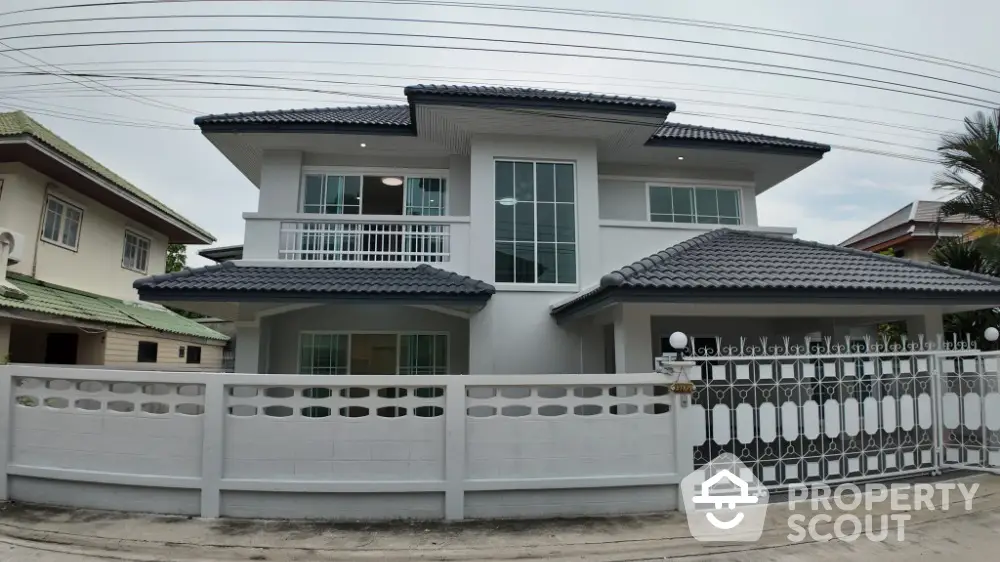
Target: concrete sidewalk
[54,533]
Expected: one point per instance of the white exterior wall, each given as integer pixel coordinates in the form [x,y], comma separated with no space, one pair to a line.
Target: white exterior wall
[96,265]
[242,445]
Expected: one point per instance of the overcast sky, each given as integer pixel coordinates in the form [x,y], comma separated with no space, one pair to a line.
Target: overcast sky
[828,202]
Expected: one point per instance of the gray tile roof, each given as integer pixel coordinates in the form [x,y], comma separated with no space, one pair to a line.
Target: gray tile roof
[925,212]
[381,115]
[676,133]
[728,261]
[535,94]
[251,281]
[396,119]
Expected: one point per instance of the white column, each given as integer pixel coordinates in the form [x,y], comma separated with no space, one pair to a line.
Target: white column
[633,341]
[930,325]
[213,433]
[248,348]
[481,343]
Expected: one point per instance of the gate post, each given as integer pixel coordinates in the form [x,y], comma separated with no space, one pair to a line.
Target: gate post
[677,375]
[936,361]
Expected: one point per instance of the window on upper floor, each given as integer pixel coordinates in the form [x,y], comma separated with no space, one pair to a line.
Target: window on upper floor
[370,194]
[62,223]
[535,215]
[135,254]
[701,205]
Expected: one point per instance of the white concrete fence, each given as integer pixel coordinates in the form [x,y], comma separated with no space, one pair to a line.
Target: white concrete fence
[343,447]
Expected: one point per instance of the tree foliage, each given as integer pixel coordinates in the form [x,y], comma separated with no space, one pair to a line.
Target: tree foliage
[176,257]
[971,161]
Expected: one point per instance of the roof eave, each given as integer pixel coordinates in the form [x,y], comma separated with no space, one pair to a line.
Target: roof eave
[324,128]
[817,152]
[156,295]
[556,105]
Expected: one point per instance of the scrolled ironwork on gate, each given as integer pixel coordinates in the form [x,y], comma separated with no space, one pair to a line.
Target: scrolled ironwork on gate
[835,411]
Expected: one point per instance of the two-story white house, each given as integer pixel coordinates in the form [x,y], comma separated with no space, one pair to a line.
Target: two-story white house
[74,236]
[495,230]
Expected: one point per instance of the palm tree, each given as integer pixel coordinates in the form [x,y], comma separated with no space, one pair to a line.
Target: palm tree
[977,257]
[971,161]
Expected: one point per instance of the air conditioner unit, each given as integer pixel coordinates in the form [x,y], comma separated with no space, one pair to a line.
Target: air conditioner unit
[16,253]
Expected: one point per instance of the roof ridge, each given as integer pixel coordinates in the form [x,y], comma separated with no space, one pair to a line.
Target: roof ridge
[456,88]
[875,255]
[622,274]
[851,238]
[465,279]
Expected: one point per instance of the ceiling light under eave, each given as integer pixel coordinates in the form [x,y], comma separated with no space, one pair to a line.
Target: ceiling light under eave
[680,157]
[363,145]
[392,182]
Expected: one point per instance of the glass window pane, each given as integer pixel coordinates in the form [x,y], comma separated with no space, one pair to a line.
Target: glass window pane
[504,222]
[352,191]
[729,220]
[683,218]
[661,218]
[565,222]
[565,191]
[707,220]
[524,181]
[504,262]
[70,228]
[524,263]
[729,203]
[659,200]
[312,191]
[441,354]
[414,192]
[504,180]
[546,263]
[425,351]
[706,202]
[547,222]
[334,191]
[566,262]
[340,349]
[683,201]
[545,178]
[524,222]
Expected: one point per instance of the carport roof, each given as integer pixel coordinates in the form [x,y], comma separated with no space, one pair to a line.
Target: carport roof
[231,282]
[756,267]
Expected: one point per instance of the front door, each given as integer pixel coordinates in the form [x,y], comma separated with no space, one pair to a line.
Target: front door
[60,349]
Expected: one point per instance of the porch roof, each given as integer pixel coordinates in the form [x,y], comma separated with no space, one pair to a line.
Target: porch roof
[750,267]
[229,281]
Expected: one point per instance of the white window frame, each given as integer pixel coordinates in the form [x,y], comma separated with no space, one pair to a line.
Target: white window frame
[62,223]
[139,238]
[694,205]
[405,173]
[558,287]
[350,333]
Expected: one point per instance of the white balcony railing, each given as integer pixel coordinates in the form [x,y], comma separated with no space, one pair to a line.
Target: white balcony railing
[375,241]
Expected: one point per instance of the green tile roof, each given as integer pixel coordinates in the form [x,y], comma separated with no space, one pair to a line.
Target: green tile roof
[16,123]
[46,298]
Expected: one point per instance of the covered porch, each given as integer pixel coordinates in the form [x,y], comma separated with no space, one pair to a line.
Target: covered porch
[742,293]
[334,320]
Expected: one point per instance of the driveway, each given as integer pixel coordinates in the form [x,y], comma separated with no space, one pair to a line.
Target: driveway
[55,535]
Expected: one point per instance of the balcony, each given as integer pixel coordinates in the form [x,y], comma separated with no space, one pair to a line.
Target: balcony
[359,239]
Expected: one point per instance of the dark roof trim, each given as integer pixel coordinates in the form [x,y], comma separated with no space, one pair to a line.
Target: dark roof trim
[740,146]
[333,128]
[596,104]
[223,253]
[604,296]
[308,296]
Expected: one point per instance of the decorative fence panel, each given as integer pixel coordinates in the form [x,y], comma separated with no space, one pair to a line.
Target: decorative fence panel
[970,410]
[818,412]
[342,447]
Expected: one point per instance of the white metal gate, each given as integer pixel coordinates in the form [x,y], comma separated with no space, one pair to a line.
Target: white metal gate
[828,412]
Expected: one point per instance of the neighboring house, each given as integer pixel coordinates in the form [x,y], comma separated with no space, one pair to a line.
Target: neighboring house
[494,230]
[77,237]
[912,231]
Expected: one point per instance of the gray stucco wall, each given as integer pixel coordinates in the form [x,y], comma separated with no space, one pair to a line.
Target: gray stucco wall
[282,331]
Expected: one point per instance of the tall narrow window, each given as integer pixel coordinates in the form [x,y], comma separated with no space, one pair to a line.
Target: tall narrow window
[535,214]
[423,354]
[702,205]
[135,255]
[62,223]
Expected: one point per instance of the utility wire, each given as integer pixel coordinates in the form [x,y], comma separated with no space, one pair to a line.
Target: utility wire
[820,39]
[965,100]
[397,86]
[532,28]
[618,80]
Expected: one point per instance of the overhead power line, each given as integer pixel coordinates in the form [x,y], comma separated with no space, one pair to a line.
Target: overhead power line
[804,37]
[956,98]
[532,28]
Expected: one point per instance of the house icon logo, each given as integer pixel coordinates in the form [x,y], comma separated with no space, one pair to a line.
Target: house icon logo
[719,504]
